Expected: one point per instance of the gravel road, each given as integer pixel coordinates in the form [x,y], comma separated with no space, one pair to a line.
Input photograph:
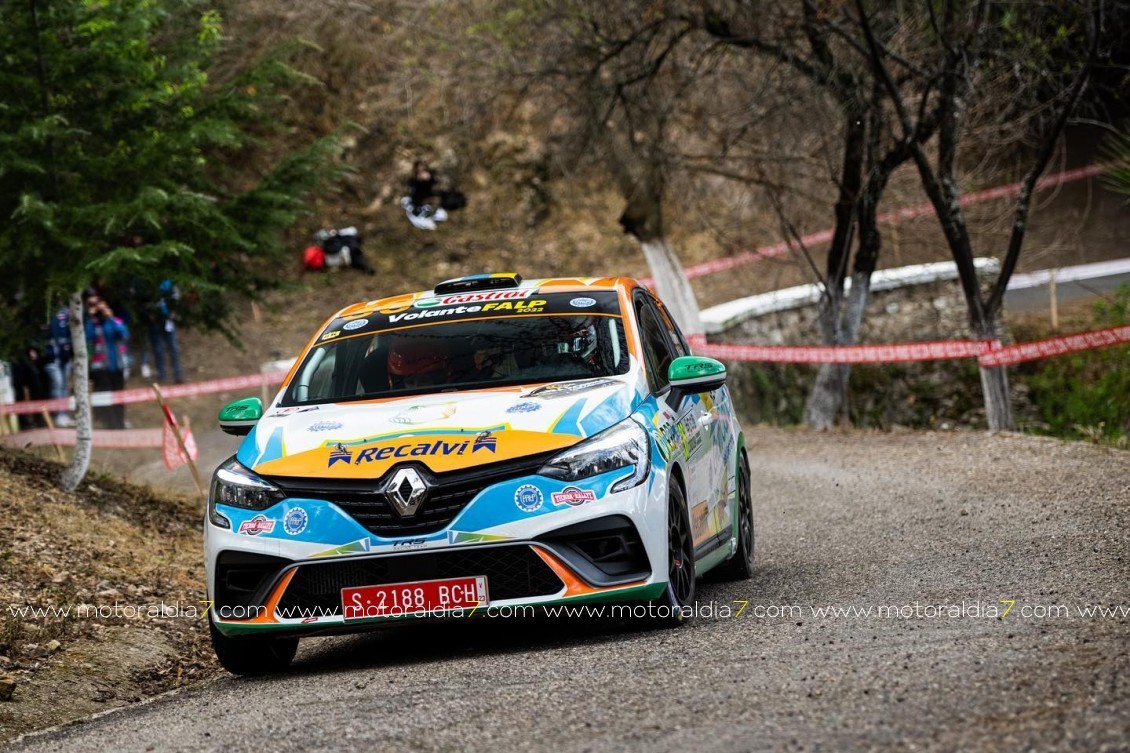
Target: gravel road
[919,521]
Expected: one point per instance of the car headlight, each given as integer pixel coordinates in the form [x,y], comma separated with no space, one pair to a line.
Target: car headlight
[233,484]
[625,445]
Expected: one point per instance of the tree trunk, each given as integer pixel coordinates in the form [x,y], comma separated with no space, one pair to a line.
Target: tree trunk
[826,399]
[998,404]
[672,285]
[994,385]
[73,475]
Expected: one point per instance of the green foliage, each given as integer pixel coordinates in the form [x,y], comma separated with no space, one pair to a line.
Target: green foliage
[772,393]
[121,161]
[1117,153]
[1087,395]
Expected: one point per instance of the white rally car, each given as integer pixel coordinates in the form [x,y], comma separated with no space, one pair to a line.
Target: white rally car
[488,444]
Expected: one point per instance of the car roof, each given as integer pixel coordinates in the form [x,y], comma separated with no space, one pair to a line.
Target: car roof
[544,285]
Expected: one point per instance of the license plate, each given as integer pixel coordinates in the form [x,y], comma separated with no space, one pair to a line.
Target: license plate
[419,597]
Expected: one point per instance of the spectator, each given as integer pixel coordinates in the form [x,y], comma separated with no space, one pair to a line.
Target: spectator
[30,382]
[421,189]
[57,361]
[160,323]
[105,336]
[339,248]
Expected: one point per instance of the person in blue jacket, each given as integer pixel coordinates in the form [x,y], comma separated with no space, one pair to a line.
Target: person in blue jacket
[160,323]
[57,360]
[107,338]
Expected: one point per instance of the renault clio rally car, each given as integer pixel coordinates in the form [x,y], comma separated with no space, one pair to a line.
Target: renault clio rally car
[490,444]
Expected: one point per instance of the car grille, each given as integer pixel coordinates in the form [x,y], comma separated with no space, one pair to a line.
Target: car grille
[448,493]
[512,572]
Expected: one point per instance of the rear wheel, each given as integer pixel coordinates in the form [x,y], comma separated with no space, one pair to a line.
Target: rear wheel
[253,656]
[670,609]
[740,566]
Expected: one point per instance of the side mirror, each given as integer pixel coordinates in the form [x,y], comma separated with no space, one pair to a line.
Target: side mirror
[690,375]
[240,417]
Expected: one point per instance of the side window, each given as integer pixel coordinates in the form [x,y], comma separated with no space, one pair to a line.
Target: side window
[678,342]
[655,346]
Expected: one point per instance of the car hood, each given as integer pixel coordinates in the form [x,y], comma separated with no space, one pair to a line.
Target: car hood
[444,432]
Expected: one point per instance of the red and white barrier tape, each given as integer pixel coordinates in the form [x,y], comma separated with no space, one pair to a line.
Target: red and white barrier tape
[887,218]
[899,352]
[145,394]
[1055,346]
[123,439]
[988,353]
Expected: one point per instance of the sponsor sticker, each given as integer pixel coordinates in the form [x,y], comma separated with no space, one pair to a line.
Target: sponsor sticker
[524,408]
[398,449]
[535,306]
[282,412]
[257,525]
[341,454]
[294,522]
[485,441]
[355,324]
[458,298]
[405,544]
[582,303]
[420,414]
[528,498]
[331,335]
[573,496]
[569,388]
[325,426]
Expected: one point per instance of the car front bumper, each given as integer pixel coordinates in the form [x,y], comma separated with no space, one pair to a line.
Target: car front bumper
[537,540]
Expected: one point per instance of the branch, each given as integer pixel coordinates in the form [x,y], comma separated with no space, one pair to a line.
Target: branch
[949,216]
[796,242]
[1023,201]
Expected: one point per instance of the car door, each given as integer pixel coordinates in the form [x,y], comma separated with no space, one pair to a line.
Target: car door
[717,467]
[661,345]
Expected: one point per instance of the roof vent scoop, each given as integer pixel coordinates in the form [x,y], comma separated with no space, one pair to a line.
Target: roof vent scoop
[496,281]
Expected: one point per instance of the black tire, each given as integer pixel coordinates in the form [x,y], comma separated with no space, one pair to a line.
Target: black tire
[253,656]
[669,609]
[740,565]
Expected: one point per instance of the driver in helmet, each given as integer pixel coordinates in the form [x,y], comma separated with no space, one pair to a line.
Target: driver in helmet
[414,363]
[582,342]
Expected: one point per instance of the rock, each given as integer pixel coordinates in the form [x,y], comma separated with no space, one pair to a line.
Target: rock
[7,687]
[53,646]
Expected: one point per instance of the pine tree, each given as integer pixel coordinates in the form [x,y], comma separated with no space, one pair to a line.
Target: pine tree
[121,160]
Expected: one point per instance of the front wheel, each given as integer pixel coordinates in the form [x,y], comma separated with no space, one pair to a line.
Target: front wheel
[674,606]
[253,656]
[740,565]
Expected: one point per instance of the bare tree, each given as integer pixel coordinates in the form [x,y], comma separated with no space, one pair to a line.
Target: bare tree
[618,73]
[956,63]
[816,45]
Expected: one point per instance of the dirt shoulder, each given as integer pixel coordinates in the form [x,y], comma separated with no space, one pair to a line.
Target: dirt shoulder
[100,592]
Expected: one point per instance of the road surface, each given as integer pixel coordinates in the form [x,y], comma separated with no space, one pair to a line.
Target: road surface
[921,523]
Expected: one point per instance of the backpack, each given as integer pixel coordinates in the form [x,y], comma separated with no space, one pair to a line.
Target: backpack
[314,258]
[451,200]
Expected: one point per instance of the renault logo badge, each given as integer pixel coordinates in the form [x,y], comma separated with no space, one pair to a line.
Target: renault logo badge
[406,490]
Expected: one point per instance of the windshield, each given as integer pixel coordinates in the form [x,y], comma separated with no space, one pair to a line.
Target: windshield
[502,350]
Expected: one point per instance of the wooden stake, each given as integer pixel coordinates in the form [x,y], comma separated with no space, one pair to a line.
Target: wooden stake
[180,440]
[54,440]
[1053,300]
